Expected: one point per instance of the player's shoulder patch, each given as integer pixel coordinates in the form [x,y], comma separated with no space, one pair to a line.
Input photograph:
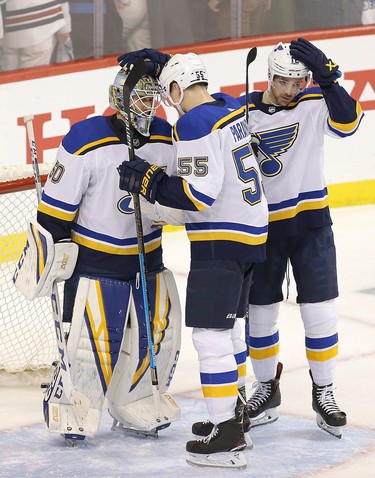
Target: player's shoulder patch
[89,134]
[160,131]
[313,93]
[203,119]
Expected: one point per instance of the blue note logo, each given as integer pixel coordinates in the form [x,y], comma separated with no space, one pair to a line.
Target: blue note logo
[273,144]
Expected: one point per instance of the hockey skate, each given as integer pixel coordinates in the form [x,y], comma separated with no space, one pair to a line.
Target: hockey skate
[328,415]
[128,429]
[221,448]
[261,407]
[204,428]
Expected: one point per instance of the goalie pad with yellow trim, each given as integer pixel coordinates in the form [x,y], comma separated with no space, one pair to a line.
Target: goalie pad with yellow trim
[108,356]
[42,262]
[99,319]
[129,396]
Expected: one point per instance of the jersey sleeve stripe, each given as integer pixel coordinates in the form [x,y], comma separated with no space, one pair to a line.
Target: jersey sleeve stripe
[57,213]
[349,128]
[201,201]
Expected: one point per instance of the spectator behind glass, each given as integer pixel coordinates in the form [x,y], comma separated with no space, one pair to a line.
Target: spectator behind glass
[252,16]
[368,12]
[31,34]
[326,13]
[82,13]
[135,24]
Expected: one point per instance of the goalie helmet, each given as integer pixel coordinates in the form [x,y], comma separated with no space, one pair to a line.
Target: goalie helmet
[281,63]
[186,70]
[144,100]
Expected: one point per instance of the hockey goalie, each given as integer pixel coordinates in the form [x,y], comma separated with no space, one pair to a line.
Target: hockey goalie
[85,234]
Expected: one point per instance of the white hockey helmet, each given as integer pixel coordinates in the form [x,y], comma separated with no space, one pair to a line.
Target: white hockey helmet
[184,69]
[281,63]
[144,100]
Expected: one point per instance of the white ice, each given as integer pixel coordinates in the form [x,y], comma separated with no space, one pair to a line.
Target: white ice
[292,447]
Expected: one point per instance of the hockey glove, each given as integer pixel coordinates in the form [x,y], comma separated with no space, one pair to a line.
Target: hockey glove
[155,60]
[254,143]
[140,177]
[324,70]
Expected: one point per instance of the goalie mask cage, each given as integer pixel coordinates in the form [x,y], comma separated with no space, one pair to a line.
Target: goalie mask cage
[27,336]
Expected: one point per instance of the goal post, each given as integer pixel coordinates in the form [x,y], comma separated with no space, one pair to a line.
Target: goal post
[27,336]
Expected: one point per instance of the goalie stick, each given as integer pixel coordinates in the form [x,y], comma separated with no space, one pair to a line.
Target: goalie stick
[139,69]
[81,402]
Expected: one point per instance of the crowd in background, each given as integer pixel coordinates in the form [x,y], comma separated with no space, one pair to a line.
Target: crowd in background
[40,32]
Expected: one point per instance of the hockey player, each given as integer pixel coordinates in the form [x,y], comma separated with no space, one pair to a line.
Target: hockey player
[219,187]
[83,205]
[290,122]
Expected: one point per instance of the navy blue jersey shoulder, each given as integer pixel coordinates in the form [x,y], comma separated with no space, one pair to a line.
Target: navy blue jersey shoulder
[201,120]
[89,134]
[161,127]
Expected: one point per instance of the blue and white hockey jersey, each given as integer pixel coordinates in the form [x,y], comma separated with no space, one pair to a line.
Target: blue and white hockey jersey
[218,182]
[82,199]
[291,153]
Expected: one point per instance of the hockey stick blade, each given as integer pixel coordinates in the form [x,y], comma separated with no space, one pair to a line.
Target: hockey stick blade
[251,56]
[139,69]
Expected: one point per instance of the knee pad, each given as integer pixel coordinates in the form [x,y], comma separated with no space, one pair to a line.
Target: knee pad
[319,319]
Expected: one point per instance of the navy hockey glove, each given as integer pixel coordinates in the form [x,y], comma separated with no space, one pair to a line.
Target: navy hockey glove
[254,143]
[324,70]
[155,60]
[140,177]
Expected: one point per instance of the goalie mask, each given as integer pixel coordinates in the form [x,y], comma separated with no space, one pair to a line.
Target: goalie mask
[281,63]
[144,100]
[186,70]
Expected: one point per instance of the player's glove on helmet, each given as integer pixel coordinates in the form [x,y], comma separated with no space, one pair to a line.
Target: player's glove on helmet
[140,177]
[324,70]
[155,60]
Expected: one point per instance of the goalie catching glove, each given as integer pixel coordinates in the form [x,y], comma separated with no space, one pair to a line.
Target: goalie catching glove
[155,60]
[42,262]
[324,70]
[140,177]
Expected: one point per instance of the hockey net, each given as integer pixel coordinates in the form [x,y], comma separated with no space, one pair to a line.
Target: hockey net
[27,336]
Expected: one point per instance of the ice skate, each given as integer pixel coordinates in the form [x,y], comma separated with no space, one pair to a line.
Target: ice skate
[329,417]
[261,407]
[204,428]
[127,429]
[221,448]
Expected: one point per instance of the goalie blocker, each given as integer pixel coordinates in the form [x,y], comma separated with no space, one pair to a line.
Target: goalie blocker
[107,348]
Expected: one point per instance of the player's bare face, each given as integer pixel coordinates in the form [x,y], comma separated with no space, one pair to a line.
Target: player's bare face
[283,90]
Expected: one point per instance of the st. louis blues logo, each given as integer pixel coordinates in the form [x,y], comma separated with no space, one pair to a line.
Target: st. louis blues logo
[124,206]
[273,143]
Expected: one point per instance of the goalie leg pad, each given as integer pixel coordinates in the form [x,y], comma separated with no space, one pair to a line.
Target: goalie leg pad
[130,392]
[99,319]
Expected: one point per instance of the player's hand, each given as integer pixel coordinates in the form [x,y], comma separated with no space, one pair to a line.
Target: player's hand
[155,60]
[140,177]
[324,70]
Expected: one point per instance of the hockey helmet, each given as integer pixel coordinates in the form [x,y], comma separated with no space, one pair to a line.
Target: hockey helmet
[144,100]
[184,69]
[281,63]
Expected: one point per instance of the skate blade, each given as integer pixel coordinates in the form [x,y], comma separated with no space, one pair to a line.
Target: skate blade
[73,440]
[249,442]
[127,430]
[218,460]
[265,418]
[334,431]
